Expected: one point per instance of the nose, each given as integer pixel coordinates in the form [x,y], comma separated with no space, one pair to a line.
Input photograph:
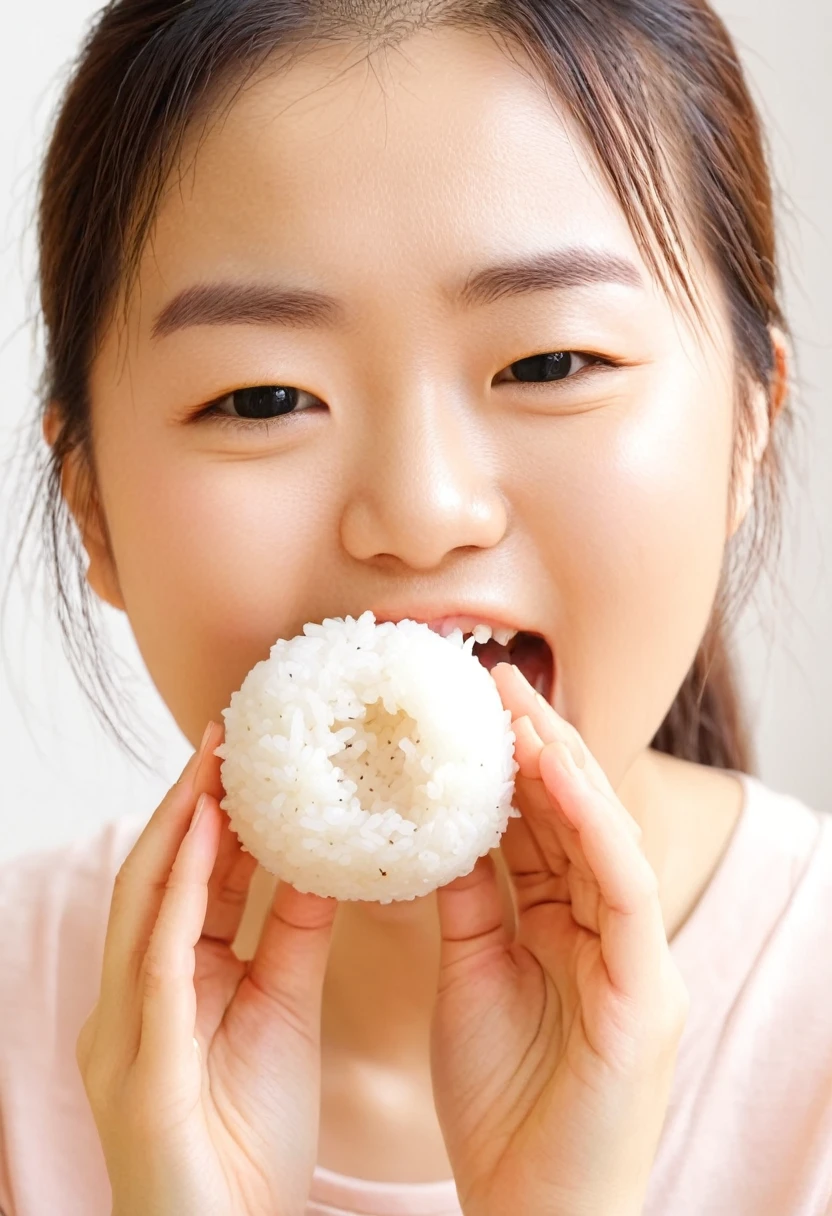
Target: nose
[423,485]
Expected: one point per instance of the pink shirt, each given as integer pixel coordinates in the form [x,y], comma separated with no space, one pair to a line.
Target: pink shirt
[749,1126]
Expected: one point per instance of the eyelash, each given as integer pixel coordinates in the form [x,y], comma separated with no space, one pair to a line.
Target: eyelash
[212,411]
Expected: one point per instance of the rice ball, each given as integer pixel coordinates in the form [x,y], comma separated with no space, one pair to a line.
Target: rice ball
[368,761]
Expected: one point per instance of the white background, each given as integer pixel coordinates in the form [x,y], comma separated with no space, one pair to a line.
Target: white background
[62,777]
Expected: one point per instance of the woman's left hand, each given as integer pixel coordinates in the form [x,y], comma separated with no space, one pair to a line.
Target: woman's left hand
[553,1053]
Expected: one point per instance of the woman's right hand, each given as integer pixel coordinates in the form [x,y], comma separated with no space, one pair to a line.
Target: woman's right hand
[202,1070]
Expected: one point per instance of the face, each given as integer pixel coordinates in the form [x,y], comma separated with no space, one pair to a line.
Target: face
[549,453]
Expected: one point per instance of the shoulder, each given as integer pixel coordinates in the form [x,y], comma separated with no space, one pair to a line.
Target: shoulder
[776,877]
[750,1115]
[790,835]
[755,950]
[769,920]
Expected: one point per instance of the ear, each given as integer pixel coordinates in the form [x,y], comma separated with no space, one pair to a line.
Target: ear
[81,498]
[765,406]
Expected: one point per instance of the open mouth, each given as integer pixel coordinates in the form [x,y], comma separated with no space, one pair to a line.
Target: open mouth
[528,651]
[493,644]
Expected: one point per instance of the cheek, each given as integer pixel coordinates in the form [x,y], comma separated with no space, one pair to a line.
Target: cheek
[216,557]
[629,507]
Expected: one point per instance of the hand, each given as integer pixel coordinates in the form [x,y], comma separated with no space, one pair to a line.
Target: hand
[553,1054]
[203,1071]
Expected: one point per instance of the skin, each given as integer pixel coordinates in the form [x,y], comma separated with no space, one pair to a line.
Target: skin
[594,510]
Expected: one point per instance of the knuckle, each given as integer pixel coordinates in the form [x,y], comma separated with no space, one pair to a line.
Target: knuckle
[157,976]
[84,1042]
[122,881]
[160,970]
[231,893]
[99,1080]
[128,876]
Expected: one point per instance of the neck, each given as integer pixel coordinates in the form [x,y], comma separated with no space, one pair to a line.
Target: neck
[381,980]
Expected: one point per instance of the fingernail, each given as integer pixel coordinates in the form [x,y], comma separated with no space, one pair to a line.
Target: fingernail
[196,756]
[566,755]
[200,807]
[549,727]
[559,731]
[525,726]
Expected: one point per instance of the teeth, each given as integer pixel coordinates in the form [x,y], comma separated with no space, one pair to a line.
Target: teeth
[484,633]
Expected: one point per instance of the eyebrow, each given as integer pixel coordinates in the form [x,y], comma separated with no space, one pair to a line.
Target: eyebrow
[230,303]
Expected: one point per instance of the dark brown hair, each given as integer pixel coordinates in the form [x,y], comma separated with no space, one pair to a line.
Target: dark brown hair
[656,88]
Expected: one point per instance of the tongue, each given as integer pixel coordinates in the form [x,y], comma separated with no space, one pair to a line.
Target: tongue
[529,652]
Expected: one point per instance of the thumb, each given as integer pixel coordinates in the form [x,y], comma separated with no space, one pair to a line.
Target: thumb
[471,916]
[289,963]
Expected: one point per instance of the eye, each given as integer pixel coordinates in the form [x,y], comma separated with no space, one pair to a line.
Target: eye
[553,366]
[262,403]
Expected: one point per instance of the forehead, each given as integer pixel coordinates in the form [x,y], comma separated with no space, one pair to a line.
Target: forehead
[418,159]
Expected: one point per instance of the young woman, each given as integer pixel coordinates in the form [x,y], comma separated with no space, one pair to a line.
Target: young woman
[460,312]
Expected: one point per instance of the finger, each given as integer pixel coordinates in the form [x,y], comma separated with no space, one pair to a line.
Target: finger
[522,700]
[521,852]
[630,923]
[219,968]
[229,882]
[138,892]
[539,839]
[542,857]
[287,971]
[472,917]
[527,747]
[228,887]
[518,845]
[168,1010]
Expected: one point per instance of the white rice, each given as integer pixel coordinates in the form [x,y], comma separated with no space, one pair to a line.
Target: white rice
[367,761]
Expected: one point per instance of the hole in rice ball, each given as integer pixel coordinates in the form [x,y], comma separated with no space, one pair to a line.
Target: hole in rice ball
[381,759]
